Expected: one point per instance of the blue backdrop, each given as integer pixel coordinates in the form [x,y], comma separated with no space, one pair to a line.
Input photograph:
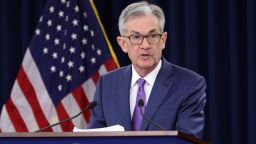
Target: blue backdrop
[216,38]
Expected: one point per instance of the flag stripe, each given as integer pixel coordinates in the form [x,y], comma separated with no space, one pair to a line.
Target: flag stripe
[95,77]
[23,107]
[15,117]
[30,95]
[72,109]
[82,101]
[5,121]
[89,89]
[110,65]
[103,70]
[62,114]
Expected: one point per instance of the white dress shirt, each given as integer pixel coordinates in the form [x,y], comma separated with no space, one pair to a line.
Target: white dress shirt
[150,80]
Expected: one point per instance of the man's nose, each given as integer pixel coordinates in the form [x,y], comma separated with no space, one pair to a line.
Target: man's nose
[145,44]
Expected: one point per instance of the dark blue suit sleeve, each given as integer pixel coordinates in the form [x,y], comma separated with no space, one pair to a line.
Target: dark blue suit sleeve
[191,113]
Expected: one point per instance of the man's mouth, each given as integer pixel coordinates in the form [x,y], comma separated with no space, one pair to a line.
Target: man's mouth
[144,55]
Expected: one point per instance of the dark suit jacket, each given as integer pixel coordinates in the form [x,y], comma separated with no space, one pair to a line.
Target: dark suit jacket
[176,101]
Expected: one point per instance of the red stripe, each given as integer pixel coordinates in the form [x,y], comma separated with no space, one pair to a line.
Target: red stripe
[15,117]
[110,65]
[62,114]
[82,101]
[95,77]
[30,95]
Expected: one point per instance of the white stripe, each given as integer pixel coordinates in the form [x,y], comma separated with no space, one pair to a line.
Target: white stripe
[103,70]
[89,89]
[5,122]
[23,107]
[43,97]
[89,86]
[72,108]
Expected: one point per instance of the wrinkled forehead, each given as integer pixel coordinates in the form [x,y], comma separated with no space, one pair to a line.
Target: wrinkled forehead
[142,25]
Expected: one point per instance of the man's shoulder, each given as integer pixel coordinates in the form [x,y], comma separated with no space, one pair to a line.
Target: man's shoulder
[181,72]
[184,71]
[118,72]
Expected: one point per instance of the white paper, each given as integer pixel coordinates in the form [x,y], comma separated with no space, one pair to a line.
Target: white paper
[105,129]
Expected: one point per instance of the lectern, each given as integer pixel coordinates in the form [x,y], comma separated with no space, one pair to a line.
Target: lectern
[129,137]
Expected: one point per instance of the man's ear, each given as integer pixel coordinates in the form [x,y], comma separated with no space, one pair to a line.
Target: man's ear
[163,39]
[121,42]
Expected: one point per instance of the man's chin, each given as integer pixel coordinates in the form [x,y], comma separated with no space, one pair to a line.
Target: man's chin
[148,65]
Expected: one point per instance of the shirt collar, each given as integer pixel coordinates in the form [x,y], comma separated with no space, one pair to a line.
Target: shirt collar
[150,77]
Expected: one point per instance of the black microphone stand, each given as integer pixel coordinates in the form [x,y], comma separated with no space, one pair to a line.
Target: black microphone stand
[141,104]
[89,106]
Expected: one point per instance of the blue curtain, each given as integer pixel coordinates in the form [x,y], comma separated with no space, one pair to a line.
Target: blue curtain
[216,38]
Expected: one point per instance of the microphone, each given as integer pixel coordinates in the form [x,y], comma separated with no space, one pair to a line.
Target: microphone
[89,106]
[141,105]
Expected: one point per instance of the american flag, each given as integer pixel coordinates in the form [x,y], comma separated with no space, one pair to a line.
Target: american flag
[68,52]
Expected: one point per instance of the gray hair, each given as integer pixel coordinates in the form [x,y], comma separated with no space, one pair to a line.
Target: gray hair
[139,9]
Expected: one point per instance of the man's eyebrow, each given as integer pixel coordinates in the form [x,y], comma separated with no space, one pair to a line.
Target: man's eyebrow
[152,31]
[135,32]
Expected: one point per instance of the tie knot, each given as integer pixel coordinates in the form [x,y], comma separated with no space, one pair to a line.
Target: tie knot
[141,82]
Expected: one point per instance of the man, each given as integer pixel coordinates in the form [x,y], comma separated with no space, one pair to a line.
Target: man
[173,97]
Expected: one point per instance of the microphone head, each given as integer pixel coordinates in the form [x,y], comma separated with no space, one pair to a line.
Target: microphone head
[140,103]
[92,104]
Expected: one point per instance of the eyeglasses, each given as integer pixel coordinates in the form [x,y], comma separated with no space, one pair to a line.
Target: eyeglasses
[138,39]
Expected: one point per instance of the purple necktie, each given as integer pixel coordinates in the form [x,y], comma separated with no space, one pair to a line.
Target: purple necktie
[137,117]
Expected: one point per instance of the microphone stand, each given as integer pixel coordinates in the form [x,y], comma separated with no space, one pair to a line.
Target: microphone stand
[141,104]
[89,106]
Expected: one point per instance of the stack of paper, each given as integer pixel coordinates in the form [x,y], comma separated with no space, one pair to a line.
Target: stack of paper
[110,128]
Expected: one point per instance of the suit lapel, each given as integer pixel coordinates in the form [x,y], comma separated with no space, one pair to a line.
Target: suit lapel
[161,86]
[123,94]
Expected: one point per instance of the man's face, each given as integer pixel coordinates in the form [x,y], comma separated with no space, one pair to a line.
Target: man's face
[145,56]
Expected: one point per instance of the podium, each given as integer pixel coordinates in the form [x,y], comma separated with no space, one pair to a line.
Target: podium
[128,137]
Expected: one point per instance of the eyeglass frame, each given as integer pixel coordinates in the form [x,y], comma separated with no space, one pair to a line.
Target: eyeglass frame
[144,36]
